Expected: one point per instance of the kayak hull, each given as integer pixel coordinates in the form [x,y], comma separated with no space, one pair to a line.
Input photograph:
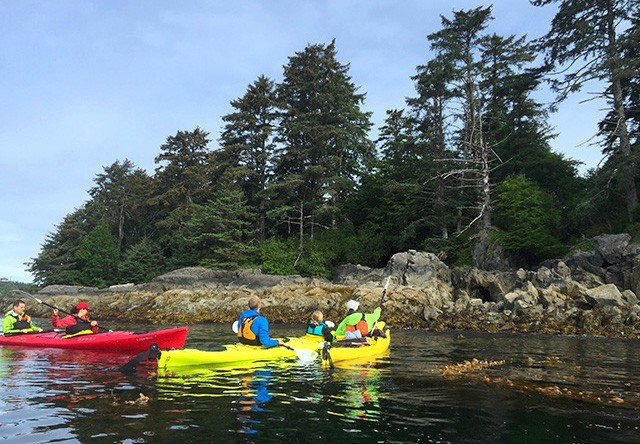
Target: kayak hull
[177,361]
[378,346]
[112,341]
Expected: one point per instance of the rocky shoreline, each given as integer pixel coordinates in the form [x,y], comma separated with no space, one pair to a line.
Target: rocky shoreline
[589,293]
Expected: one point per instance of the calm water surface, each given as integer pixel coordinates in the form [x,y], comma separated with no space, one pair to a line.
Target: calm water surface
[549,389]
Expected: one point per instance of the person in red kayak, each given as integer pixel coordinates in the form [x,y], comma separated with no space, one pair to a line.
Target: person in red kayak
[16,321]
[77,321]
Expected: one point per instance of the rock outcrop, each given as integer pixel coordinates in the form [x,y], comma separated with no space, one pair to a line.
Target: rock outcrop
[590,292]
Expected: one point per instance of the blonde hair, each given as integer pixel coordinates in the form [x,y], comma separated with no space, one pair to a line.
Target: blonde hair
[317,316]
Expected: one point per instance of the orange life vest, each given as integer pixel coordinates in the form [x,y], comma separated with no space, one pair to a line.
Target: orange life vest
[362,326]
[245,335]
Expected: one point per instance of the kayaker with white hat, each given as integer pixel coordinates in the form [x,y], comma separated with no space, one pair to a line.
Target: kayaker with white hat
[357,324]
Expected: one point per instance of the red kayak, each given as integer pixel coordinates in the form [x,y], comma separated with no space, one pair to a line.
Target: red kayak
[111,341]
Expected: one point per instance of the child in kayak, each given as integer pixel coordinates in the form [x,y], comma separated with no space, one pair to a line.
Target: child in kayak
[318,326]
[16,321]
[77,321]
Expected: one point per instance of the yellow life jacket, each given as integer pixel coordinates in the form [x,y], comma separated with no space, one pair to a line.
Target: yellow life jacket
[245,335]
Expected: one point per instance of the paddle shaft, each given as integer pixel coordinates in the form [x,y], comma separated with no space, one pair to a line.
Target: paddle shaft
[326,355]
[40,301]
[384,292]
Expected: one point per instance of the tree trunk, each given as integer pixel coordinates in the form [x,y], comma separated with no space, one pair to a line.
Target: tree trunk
[629,169]
[300,234]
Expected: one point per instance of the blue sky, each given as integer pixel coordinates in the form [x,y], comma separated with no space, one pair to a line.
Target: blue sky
[85,83]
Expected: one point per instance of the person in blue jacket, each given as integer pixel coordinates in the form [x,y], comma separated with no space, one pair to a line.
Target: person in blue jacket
[253,328]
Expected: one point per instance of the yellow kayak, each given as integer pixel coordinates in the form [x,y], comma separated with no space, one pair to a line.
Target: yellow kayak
[235,353]
[306,348]
[345,350]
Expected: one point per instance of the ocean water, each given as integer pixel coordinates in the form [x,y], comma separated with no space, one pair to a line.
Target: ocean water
[431,387]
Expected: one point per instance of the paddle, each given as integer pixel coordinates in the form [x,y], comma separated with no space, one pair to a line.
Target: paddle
[326,355]
[384,292]
[40,301]
[152,353]
[303,354]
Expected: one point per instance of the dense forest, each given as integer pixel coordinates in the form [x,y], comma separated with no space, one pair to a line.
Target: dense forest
[295,185]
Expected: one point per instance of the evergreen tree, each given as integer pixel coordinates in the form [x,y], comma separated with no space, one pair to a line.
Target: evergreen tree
[404,170]
[182,182]
[587,37]
[219,233]
[142,262]
[325,149]
[375,236]
[527,219]
[119,198]
[248,140]
[56,262]
[98,256]
[458,43]
[431,125]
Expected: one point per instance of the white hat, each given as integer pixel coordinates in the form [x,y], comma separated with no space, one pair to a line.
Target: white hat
[352,305]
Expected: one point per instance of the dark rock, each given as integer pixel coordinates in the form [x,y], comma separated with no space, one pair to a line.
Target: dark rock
[351,274]
[612,247]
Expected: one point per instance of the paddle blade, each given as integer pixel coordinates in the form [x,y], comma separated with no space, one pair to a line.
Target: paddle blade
[234,327]
[306,355]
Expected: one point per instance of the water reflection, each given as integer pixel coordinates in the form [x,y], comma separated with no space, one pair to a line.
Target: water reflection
[360,388]
[253,396]
[62,396]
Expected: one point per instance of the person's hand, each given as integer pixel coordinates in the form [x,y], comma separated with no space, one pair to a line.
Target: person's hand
[94,323]
[55,312]
[25,330]
[280,342]
[27,318]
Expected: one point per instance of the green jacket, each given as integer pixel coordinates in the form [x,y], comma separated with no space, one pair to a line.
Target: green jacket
[9,321]
[354,318]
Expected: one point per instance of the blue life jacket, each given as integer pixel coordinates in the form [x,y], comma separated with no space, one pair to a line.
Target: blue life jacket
[315,328]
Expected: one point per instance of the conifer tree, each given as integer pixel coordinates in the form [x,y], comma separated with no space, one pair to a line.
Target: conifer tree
[324,144]
[98,256]
[219,233]
[182,181]
[119,198]
[142,262]
[248,143]
[56,262]
[586,42]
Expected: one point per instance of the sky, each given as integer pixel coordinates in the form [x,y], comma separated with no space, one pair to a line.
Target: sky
[84,83]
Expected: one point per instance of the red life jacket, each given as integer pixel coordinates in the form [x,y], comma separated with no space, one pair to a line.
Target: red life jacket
[362,326]
[245,335]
